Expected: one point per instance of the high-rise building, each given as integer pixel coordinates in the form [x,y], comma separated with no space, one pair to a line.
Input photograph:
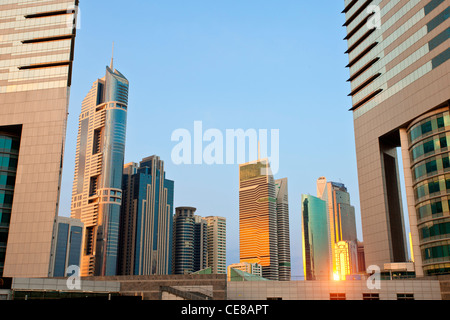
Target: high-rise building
[36,49]
[284,247]
[398,63]
[200,243]
[315,241]
[66,247]
[217,244]
[346,259]
[258,220]
[183,240]
[341,216]
[97,185]
[146,221]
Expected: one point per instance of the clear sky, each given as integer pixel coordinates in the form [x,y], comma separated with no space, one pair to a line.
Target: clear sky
[234,64]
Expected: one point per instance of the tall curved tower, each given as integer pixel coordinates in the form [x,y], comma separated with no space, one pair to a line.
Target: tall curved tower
[97,193]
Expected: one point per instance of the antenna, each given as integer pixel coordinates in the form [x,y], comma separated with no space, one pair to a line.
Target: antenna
[112,57]
[259,150]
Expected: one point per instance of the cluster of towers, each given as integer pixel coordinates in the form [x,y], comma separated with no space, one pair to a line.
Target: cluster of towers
[128,209]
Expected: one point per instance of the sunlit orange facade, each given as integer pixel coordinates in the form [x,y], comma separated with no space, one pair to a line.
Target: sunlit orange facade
[345,259]
[257,217]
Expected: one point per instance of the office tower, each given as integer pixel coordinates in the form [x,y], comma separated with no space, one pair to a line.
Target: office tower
[341,215]
[315,241]
[217,244]
[183,240]
[284,248]
[200,243]
[259,227]
[398,64]
[66,246]
[36,49]
[146,221]
[346,258]
[97,185]
[320,186]
[127,228]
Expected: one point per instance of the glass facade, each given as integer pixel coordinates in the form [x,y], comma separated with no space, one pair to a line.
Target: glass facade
[9,155]
[147,219]
[316,253]
[97,189]
[183,260]
[430,165]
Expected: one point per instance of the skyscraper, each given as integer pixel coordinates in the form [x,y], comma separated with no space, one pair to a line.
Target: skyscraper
[36,49]
[315,241]
[284,247]
[200,243]
[97,186]
[183,240]
[66,247]
[145,244]
[262,236]
[340,216]
[398,64]
[217,244]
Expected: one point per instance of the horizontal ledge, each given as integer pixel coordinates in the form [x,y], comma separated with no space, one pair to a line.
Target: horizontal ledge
[363,69]
[49,14]
[365,100]
[362,54]
[364,84]
[45,65]
[357,13]
[56,38]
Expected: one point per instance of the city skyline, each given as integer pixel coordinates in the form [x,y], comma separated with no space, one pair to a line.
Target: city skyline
[245,40]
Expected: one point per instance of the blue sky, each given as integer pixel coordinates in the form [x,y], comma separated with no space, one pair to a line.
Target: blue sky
[253,64]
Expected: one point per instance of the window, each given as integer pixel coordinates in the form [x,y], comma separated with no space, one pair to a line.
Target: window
[371,296]
[337,296]
[405,296]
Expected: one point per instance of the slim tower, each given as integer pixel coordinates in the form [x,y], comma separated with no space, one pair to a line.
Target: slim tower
[258,236]
[97,186]
[37,41]
[183,240]
[284,248]
[315,241]
[217,243]
[340,216]
[146,219]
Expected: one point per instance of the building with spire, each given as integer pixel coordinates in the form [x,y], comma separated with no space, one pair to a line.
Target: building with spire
[97,185]
[264,220]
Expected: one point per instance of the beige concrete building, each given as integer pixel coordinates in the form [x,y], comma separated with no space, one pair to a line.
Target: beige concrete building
[399,73]
[36,54]
[217,244]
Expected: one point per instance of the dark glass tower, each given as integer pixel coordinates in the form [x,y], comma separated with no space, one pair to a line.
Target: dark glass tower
[146,219]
